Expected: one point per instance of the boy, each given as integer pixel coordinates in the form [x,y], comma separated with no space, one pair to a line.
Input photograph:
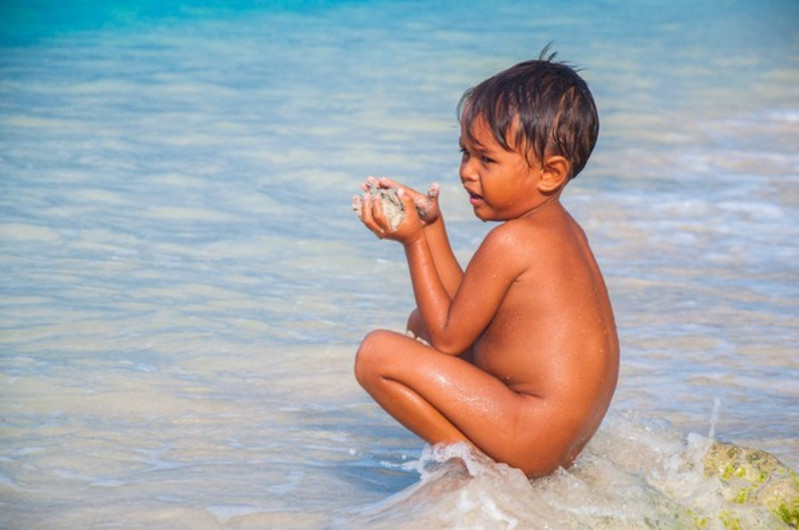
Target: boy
[523,354]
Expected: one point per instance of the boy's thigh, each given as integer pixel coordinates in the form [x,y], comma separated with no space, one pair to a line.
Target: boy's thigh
[475,401]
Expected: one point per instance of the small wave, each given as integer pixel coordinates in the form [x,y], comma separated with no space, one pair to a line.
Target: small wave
[636,473]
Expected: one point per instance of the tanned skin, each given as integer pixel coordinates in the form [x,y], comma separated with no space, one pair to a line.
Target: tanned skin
[523,353]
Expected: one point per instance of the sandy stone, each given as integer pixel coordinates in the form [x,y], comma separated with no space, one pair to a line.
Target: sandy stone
[392,205]
[393,208]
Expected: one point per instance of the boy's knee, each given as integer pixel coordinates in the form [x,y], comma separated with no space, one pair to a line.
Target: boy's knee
[366,358]
[416,325]
[414,321]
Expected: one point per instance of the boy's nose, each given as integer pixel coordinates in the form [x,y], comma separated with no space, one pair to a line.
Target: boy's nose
[467,172]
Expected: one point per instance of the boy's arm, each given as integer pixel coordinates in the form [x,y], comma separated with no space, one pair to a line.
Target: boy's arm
[444,259]
[455,322]
[446,264]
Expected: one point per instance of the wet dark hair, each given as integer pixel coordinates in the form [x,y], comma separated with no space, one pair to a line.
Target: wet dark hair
[555,110]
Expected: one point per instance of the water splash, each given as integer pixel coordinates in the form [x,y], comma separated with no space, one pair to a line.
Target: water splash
[714,417]
[636,473]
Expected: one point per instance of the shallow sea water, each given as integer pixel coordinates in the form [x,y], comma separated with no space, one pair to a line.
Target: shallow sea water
[183,285]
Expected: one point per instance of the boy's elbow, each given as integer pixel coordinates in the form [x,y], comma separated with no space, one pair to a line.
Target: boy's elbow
[446,338]
[447,345]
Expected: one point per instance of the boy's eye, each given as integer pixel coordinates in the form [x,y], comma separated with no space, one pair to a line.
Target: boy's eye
[487,160]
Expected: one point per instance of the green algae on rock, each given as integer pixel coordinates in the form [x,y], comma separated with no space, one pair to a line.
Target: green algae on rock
[755,477]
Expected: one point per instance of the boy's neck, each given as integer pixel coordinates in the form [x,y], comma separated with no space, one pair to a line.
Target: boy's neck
[553,199]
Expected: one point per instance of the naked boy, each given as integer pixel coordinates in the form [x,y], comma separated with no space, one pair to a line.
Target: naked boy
[521,355]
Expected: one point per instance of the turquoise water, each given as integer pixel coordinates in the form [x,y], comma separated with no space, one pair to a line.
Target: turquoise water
[184,285]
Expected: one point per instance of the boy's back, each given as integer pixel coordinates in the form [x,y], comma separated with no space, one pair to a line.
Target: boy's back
[553,336]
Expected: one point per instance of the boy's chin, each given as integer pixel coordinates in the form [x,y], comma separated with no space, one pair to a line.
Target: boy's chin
[483,215]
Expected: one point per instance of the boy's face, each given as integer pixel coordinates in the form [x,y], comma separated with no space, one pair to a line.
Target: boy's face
[501,184]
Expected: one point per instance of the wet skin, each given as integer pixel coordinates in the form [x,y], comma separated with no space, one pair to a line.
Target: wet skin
[523,353]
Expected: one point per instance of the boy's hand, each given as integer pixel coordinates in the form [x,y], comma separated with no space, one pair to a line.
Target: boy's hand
[426,205]
[370,209]
[410,227]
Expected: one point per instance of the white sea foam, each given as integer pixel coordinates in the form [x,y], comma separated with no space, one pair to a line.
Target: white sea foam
[636,473]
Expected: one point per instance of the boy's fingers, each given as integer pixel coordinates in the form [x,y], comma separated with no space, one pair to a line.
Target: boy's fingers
[386,182]
[389,184]
[366,210]
[368,217]
[411,204]
[379,215]
[368,183]
[407,199]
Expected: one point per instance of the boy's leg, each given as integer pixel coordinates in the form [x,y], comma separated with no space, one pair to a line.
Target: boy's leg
[444,399]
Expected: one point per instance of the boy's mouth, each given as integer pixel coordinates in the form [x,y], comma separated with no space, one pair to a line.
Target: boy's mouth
[474,198]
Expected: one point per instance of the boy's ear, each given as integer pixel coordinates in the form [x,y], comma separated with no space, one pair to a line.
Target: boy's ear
[555,174]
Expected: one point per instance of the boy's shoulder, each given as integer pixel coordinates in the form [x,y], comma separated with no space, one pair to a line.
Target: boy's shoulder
[514,237]
[535,234]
